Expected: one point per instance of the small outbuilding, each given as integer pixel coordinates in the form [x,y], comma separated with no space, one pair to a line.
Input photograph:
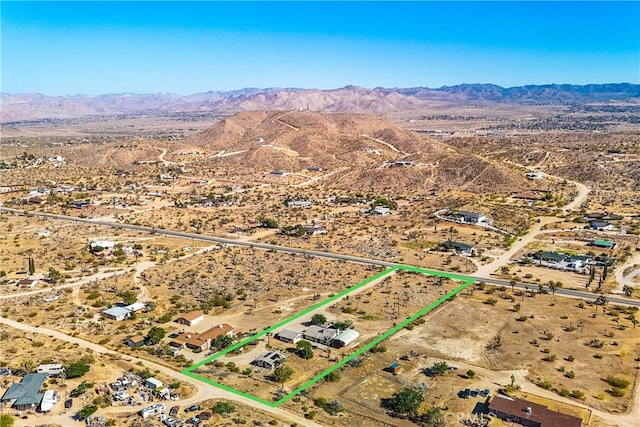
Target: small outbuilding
[153,383]
[190,318]
[394,368]
[289,336]
[345,338]
[135,341]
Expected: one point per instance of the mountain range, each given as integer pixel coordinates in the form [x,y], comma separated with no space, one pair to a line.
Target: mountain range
[35,106]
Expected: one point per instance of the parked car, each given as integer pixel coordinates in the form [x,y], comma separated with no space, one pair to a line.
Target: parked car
[68,403]
[192,408]
[174,411]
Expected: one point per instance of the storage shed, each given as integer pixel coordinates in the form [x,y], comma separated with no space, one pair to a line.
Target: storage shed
[345,338]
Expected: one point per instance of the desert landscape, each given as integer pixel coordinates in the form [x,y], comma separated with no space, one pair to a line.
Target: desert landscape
[303,257]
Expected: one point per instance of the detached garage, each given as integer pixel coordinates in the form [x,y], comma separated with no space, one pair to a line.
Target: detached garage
[345,338]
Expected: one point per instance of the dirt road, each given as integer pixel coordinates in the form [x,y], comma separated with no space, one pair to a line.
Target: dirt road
[204,391]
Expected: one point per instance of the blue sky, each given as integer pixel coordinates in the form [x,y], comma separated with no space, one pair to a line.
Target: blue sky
[67,48]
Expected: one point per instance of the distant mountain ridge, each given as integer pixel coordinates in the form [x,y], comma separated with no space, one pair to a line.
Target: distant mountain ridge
[20,107]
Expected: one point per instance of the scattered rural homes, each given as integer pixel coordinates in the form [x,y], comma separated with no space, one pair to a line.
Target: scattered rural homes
[530,414]
[25,395]
[270,360]
[191,318]
[201,341]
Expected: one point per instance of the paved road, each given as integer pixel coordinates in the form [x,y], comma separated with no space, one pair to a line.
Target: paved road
[486,277]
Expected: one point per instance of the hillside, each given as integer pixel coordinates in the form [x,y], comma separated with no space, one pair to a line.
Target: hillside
[354,151]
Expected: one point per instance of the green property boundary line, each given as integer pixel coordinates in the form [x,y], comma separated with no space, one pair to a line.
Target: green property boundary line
[466,282]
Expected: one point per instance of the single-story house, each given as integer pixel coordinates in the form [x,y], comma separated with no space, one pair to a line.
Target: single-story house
[380,210]
[289,336]
[458,247]
[534,175]
[25,394]
[299,204]
[345,338]
[601,225]
[594,216]
[554,257]
[203,340]
[117,313]
[270,360]
[105,244]
[313,230]
[526,195]
[607,244]
[36,200]
[190,318]
[30,283]
[530,414]
[320,335]
[153,384]
[136,306]
[135,341]
[180,340]
[467,217]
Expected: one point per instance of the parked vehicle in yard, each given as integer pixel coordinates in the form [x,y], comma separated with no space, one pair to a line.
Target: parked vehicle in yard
[192,408]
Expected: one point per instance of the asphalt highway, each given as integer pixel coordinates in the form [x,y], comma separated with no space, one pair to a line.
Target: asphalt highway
[572,293]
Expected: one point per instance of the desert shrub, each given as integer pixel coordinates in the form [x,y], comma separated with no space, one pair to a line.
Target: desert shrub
[617,382]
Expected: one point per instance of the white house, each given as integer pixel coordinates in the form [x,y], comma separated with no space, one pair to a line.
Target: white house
[534,175]
[299,204]
[106,244]
[117,313]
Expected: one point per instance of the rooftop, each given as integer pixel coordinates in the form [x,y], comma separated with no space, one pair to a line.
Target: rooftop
[523,409]
[26,392]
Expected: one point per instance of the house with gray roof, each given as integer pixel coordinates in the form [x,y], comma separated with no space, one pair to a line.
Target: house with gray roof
[25,394]
[320,335]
